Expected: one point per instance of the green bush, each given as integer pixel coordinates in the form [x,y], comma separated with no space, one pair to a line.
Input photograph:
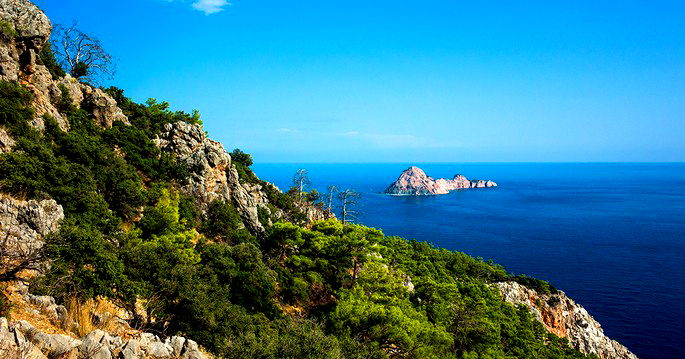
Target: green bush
[15,111]
[241,157]
[47,57]
[7,30]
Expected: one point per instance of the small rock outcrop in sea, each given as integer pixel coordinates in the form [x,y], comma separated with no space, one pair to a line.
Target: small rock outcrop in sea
[413,181]
[564,317]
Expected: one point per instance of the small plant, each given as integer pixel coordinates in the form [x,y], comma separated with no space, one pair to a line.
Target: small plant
[553,301]
[7,30]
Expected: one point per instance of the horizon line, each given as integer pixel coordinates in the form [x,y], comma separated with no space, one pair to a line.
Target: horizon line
[475,162]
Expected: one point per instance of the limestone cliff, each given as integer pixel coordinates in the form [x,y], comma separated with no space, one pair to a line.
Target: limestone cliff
[212,174]
[564,317]
[20,62]
[413,181]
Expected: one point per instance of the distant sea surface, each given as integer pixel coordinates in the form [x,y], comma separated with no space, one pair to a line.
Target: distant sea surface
[612,236]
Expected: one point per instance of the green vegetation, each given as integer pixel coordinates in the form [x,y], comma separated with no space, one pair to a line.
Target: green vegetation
[47,57]
[7,30]
[331,290]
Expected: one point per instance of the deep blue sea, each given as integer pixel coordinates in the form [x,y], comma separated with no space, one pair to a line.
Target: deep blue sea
[612,236]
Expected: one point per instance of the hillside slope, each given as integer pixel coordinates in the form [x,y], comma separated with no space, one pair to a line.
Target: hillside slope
[125,220]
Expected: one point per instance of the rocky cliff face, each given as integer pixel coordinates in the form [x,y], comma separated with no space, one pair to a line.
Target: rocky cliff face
[413,181]
[20,62]
[564,317]
[212,174]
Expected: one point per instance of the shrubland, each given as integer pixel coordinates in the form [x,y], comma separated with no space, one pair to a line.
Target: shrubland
[299,290]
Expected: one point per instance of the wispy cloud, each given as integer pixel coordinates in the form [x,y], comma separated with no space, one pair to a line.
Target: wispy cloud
[394,140]
[377,140]
[210,6]
[287,130]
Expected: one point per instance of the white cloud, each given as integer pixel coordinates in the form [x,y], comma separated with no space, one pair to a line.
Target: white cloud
[210,6]
[287,130]
[391,140]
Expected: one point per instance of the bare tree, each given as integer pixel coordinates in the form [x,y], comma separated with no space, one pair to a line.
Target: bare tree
[349,200]
[82,55]
[329,198]
[301,181]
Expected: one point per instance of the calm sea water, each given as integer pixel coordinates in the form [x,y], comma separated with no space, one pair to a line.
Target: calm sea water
[612,236]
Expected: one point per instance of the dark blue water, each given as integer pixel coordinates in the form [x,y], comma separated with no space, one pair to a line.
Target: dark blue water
[612,236]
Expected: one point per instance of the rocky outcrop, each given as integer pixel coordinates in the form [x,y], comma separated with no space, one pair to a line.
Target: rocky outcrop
[413,181]
[96,102]
[564,317]
[31,31]
[6,142]
[212,175]
[21,340]
[19,62]
[23,225]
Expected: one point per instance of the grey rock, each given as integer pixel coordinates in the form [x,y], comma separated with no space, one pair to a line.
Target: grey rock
[32,27]
[53,345]
[6,142]
[26,223]
[212,174]
[96,345]
[159,350]
[177,344]
[131,350]
[27,19]
[18,59]
[102,106]
[42,301]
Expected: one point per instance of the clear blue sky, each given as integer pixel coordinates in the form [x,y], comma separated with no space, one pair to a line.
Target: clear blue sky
[408,81]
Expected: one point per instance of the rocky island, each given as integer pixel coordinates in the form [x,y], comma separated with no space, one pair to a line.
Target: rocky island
[414,182]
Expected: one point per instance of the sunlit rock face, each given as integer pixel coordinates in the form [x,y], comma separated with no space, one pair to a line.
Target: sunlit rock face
[413,181]
[564,317]
[24,224]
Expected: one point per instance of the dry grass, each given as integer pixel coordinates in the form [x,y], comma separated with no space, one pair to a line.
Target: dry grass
[85,316]
[23,310]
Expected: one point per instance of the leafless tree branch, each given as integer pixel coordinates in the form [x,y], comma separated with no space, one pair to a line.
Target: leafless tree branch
[82,55]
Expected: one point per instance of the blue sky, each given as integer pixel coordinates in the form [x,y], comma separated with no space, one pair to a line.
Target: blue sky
[400,81]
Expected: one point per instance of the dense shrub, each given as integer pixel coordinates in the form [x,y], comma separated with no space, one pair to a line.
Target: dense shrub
[223,222]
[15,113]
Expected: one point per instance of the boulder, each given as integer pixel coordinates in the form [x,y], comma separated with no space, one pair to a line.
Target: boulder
[54,345]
